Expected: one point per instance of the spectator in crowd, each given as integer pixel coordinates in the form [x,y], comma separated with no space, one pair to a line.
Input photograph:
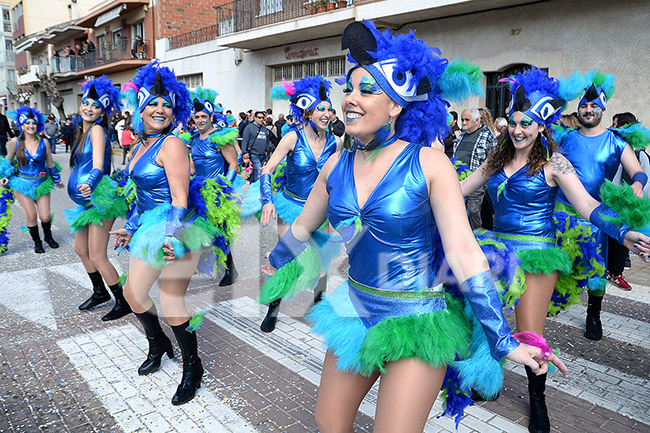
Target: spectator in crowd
[51,132]
[338,127]
[570,120]
[486,119]
[243,121]
[273,133]
[91,46]
[256,144]
[5,133]
[137,43]
[472,147]
[127,139]
[68,130]
[501,125]
[280,123]
[454,132]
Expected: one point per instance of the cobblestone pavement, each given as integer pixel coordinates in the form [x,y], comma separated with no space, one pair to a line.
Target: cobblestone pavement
[64,370]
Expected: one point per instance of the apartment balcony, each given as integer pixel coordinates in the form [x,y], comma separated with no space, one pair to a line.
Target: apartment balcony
[28,75]
[107,58]
[256,24]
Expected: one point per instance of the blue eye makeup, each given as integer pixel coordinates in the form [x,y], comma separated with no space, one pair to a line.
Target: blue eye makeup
[526,122]
[85,102]
[96,105]
[30,122]
[347,88]
[166,104]
[368,85]
[153,102]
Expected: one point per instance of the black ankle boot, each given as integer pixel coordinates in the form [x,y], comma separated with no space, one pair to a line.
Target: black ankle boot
[268,324]
[231,272]
[47,234]
[594,328]
[159,343]
[539,422]
[100,294]
[320,288]
[38,245]
[192,367]
[121,307]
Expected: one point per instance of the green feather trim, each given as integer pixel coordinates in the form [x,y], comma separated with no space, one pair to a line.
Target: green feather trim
[44,188]
[294,277]
[633,211]
[435,338]
[278,178]
[545,261]
[462,170]
[501,188]
[198,235]
[186,137]
[105,194]
[196,321]
[635,135]
[223,209]
[122,280]
[223,137]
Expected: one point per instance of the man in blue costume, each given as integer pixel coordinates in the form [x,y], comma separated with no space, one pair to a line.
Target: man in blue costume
[596,153]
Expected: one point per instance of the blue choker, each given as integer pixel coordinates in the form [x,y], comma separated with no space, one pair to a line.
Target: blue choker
[159,134]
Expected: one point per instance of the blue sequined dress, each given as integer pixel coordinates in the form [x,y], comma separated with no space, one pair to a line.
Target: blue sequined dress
[33,180]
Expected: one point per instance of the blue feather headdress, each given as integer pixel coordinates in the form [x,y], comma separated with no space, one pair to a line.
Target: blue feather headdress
[593,86]
[152,81]
[23,113]
[535,94]
[304,94]
[413,75]
[103,92]
[203,99]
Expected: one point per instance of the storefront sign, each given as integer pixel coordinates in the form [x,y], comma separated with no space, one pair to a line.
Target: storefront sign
[300,54]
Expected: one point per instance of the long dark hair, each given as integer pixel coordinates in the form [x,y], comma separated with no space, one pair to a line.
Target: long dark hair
[81,137]
[20,152]
[506,151]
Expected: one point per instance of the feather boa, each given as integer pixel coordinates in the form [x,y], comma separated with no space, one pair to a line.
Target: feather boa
[7,169]
[252,204]
[6,199]
[633,211]
[635,135]
[104,205]
[286,209]
[462,170]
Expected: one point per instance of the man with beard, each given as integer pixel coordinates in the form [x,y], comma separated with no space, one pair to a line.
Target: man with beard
[596,153]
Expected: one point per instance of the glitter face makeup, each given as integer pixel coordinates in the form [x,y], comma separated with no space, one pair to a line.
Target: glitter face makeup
[368,85]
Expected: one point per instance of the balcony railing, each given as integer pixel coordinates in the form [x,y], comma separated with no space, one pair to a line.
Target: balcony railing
[194,37]
[106,53]
[7,26]
[241,15]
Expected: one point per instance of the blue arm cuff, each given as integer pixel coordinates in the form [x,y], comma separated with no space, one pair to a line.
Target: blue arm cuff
[175,221]
[93,178]
[287,249]
[56,175]
[265,189]
[133,222]
[239,158]
[640,177]
[480,291]
[231,175]
[604,218]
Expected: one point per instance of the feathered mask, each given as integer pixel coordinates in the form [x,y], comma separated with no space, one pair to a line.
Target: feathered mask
[594,86]
[24,113]
[413,75]
[153,81]
[203,99]
[304,94]
[103,92]
[535,94]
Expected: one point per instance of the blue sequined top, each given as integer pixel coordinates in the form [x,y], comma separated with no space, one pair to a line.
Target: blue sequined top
[523,205]
[594,158]
[150,178]
[35,171]
[208,160]
[83,165]
[302,166]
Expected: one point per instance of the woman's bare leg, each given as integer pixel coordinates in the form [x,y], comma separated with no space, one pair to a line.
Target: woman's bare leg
[533,304]
[43,206]
[29,208]
[97,244]
[339,396]
[138,284]
[81,248]
[173,285]
[407,392]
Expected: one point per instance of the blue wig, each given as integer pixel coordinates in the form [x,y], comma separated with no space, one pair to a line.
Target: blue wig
[151,81]
[536,94]
[23,113]
[304,94]
[204,99]
[593,86]
[103,92]
[413,75]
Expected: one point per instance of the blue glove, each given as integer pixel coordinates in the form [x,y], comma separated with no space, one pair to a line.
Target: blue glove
[133,222]
[56,175]
[480,291]
[93,178]
[175,221]
[287,249]
[601,217]
[265,189]
[231,175]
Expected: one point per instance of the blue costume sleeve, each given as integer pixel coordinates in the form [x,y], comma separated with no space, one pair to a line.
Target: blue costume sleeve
[93,178]
[602,218]
[231,175]
[56,175]
[480,291]
[287,249]
[174,221]
[133,222]
[266,189]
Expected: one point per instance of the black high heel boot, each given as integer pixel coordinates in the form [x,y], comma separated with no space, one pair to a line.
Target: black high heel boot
[100,294]
[593,325]
[320,288]
[38,244]
[231,273]
[192,367]
[121,307]
[47,234]
[159,343]
[268,324]
[539,422]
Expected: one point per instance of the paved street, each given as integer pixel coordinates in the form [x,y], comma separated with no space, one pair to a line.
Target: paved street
[62,370]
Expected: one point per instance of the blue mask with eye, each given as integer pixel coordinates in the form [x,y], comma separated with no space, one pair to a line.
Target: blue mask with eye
[596,95]
[145,96]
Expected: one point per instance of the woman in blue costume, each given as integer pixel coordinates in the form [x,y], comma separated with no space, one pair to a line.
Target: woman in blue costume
[523,178]
[306,149]
[397,205]
[35,176]
[213,152]
[95,195]
[166,233]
